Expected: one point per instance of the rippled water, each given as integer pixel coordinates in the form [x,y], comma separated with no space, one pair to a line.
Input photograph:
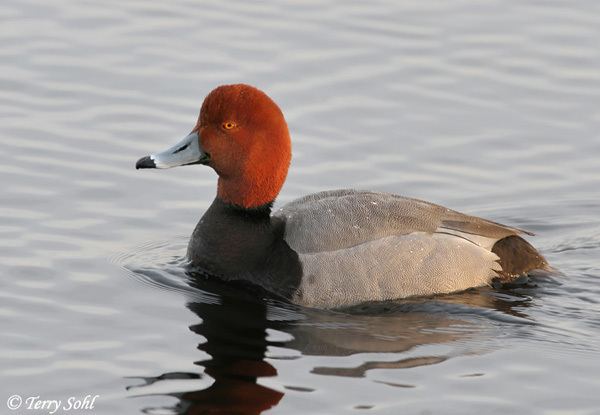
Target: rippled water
[489,107]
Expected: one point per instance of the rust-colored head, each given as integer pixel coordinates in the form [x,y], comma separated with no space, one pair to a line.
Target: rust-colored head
[247,138]
[242,134]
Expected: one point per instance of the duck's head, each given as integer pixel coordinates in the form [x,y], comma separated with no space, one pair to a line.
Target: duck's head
[242,134]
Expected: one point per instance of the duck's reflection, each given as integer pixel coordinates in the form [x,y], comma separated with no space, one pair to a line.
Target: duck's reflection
[234,334]
[236,341]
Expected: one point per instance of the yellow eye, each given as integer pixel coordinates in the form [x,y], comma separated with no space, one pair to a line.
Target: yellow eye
[228,125]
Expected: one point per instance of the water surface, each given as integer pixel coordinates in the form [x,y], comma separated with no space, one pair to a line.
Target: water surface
[492,108]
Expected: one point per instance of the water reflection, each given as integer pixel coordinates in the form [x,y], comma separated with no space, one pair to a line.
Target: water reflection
[234,332]
[399,327]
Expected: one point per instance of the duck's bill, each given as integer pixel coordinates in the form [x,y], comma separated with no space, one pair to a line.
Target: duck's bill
[186,152]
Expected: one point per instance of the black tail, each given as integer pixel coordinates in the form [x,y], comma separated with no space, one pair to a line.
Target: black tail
[518,257]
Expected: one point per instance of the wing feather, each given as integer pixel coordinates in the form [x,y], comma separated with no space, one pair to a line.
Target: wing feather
[338,219]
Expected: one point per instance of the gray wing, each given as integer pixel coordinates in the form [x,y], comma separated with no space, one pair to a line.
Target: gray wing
[394,267]
[339,219]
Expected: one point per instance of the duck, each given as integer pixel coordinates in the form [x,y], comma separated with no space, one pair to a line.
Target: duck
[335,248]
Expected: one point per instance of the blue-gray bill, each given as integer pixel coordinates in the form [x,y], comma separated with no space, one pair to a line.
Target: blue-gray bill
[186,152]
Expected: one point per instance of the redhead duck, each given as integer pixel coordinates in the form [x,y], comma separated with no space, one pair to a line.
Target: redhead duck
[329,249]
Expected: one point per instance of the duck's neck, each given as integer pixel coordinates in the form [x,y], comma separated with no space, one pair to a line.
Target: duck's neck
[252,190]
[255,213]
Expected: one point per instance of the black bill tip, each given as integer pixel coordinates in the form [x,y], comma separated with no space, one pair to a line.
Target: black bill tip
[145,163]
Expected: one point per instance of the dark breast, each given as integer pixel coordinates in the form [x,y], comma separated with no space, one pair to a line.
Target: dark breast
[236,244]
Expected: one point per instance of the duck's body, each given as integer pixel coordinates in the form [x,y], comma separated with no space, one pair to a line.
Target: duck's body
[344,247]
[334,248]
